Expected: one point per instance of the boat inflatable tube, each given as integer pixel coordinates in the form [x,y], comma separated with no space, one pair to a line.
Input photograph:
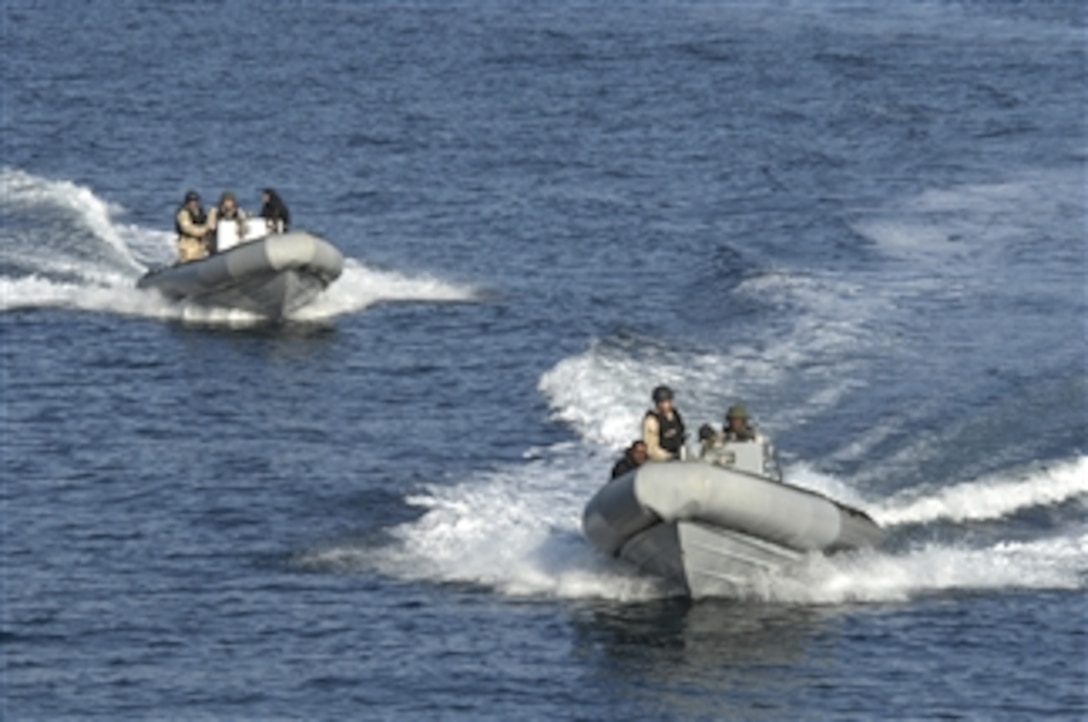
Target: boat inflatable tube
[271,277]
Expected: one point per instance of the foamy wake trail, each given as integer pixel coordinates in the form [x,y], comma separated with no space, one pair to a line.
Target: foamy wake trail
[971,220]
[990,498]
[518,531]
[72,205]
[361,286]
[111,296]
[873,576]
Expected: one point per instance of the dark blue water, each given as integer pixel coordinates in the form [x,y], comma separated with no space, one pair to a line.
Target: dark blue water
[866,222]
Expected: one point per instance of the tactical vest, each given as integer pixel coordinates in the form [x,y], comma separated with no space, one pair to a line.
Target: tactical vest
[199,218]
[670,431]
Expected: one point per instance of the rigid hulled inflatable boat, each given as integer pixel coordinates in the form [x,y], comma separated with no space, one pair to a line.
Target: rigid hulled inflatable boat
[710,527]
[272,275]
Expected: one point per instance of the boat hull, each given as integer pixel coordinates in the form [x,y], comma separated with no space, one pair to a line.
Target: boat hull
[701,560]
[271,277]
[709,531]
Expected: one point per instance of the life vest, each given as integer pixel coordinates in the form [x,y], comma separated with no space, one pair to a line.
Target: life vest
[670,431]
[199,218]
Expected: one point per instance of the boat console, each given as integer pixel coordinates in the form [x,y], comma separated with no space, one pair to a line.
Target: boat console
[230,233]
[752,457]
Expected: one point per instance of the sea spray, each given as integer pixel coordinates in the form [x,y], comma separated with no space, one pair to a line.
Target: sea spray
[990,498]
[517,530]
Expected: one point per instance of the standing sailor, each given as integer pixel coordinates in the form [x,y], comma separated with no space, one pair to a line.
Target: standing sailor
[227,210]
[193,229]
[663,428]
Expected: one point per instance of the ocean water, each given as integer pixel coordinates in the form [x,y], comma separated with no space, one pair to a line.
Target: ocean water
[865,220]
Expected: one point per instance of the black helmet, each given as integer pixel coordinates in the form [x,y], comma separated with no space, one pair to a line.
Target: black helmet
[192,196]
[662,393]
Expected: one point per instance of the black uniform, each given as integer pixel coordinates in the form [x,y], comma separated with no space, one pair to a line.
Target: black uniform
[623,466]
[275,209]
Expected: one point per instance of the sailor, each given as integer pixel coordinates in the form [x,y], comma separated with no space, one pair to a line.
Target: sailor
[633,457]
[737,427]
[274,211]
[707,436]
[227,210]
[193,228]
[663,427]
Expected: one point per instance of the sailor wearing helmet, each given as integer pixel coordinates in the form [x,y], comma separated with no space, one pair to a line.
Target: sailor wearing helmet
[193,228]
[663,427]
[227,210]
[737,428]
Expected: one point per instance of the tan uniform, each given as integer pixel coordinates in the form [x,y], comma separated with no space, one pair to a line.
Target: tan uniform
[191,236]
[651,435]
[216,214]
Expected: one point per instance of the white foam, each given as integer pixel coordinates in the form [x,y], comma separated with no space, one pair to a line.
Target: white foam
[39,292]
[871,576]
[361,286]
[22,190]
[517,530]
[990,498]
[973,221]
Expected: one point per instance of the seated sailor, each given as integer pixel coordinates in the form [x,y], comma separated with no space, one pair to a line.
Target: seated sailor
[663,427]
[633,457]
[274,211]
[738,445]
[193,227]
[707,436]
[737,428]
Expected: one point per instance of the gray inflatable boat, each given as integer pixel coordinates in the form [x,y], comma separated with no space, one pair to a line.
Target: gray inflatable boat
[712,527]
[272,276]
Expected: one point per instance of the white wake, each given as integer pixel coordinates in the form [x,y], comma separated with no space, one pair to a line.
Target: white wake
[517,530]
